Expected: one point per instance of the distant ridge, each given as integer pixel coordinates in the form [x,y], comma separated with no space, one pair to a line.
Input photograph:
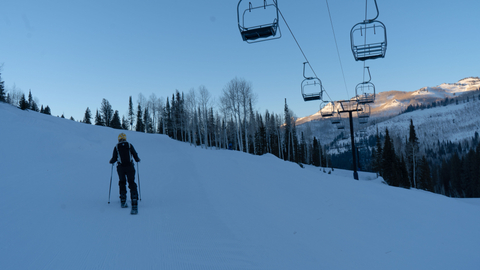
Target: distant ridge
[391,103]
[446,123]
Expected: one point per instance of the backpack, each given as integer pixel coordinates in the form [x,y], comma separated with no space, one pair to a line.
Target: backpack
[124,155]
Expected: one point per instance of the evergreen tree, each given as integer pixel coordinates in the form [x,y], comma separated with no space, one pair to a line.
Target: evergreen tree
[42,110]
[34,106]
[456,174]
[30,99]
[139,126]
[412,150]
[168,119]
[178,116]
[23,103]
[115,123]
[469,176]
[302,150]
[425,178]
[445,179]
[3,97]
[98,119]
[147,121]
[131,114]
[261,137]
[288,140]
[87,117]
[389,161]
[211,127]
[377,154]
[106,112]
[476,172]
[402,173]
[316,153]
[160,125]
[47,110]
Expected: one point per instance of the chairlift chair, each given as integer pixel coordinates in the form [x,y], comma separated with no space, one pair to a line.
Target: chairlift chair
[365,91]
[369,39]
[327,109]
[340,124]
[363,113]
[314,85]
[336,118]
[362,120]
[253,31]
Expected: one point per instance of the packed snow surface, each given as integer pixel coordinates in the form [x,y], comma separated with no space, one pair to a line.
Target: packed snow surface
[209,209]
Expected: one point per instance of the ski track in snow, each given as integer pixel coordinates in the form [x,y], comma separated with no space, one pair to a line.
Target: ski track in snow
[209,209]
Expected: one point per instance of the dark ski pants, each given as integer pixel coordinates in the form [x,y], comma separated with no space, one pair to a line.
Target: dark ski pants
[125,174]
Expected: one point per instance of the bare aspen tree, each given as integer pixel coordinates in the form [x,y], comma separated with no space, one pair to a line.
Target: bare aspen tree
[226,112]
[237,96]
[246,98]
[230,101]
[15,95]
[152,108]
[204,102]
[190,107]
[160,107]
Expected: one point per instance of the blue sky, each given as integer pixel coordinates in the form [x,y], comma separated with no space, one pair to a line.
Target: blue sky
[72,54]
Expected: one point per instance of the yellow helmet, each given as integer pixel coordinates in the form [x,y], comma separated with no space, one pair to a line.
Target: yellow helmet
[122,137]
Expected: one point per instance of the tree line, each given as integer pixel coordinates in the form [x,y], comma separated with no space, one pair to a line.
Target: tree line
[18,99]
[235,125]
[192,118]
[448,168]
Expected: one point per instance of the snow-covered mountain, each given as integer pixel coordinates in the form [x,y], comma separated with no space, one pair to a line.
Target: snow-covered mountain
[456,121]
[209,209]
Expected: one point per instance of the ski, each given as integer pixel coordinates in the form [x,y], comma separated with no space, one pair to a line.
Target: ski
[134,211]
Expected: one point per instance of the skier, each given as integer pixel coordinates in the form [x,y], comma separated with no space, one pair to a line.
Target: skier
[122,154]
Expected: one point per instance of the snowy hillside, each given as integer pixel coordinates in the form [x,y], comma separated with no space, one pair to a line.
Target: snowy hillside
[450,123]
[445,123]
[209,209]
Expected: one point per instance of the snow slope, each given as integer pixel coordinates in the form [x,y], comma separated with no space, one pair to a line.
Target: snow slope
[209,209]
[444,123]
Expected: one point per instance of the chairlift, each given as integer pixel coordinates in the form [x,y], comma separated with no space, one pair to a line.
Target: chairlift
[363,120]
[363,113]
[327,109]
[340,124]
[365,91]
[336,118]
[254,22]
[369,39]
[314,85]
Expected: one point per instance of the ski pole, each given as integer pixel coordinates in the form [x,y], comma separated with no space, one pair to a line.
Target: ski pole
[138,176]
[110,189]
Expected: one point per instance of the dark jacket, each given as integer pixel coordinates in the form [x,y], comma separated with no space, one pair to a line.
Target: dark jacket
[123,153]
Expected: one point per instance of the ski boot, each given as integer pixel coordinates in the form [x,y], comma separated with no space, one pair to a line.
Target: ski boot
[134,207]
[123,201]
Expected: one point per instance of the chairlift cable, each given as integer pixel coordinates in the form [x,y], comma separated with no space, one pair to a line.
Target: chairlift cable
[365,37]
[298,44]
[336,45]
